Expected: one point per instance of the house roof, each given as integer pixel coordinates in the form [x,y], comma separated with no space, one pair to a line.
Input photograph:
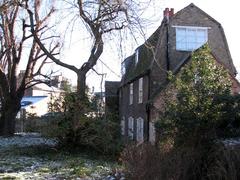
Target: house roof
[146,56]
[149,52]
[111,88]
[178,68]
[30,100]
[230,66]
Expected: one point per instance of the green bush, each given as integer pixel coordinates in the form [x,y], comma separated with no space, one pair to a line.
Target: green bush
[82,124]
[199,112]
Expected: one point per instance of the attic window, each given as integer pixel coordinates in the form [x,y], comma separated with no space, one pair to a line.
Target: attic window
[136,56]
[123,68]
[190,38]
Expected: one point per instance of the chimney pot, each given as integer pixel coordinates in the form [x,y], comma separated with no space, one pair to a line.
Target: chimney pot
[171,13]
[166,12]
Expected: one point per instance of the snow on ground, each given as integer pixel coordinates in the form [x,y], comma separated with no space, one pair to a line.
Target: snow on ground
[30,156]
[231,142]
[26,139]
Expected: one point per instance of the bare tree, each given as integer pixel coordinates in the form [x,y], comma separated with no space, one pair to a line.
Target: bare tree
[100,18]
[17,45]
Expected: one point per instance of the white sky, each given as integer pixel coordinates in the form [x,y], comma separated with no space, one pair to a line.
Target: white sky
[225,12]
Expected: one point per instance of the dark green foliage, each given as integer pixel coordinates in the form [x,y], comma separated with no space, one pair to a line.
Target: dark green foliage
[84,124]
[230,116]
[197,113]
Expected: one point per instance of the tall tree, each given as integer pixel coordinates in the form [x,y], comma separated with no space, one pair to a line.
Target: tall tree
[18,46]
[100,18]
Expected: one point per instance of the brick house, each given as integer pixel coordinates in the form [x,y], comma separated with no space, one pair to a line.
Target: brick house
[168,49]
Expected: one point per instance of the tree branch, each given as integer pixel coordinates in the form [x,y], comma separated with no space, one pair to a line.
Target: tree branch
[57,61]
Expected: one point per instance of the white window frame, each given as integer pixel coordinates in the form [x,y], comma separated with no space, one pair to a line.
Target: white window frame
[130,127]
[140,129]
[136,56]
[123,125]
[140,90]
[131,94]
[188,38]
[123,68]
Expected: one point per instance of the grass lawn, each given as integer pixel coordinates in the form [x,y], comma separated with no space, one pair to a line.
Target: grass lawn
[46,162]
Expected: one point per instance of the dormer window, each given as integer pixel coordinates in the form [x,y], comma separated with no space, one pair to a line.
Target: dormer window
[190,38]
[136,56]
[123,68]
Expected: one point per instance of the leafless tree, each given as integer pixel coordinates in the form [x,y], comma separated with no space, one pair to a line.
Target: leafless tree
[100,18]
[17,45]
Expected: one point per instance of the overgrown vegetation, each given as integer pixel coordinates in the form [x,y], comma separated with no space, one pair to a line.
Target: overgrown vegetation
[186,163]
[86,125]
[201,106]
[198,112]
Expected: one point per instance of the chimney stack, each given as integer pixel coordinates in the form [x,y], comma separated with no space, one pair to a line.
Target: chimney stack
[171,12]
[167,13]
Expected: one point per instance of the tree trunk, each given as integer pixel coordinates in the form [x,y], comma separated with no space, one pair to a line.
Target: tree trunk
[9,112]
[81,85]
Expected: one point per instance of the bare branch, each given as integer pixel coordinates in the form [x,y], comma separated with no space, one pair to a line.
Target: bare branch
[57,61]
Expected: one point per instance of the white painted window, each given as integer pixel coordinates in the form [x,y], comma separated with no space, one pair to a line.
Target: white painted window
[131,94]
[136,56]
[140,130]
[130,127]
[152,132]
[123,68]
[189,38]
[123,125]
[140,90]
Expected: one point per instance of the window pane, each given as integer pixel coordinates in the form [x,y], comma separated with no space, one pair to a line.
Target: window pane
[131,94]
[140,129]
[140,91]
[123,69]
[123,126]
[136,56]
[130,127]
[191,46]
[181,46]
[190,38]
[181,31]
[201,32]
[191,32]
[180,34]
[201,39]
